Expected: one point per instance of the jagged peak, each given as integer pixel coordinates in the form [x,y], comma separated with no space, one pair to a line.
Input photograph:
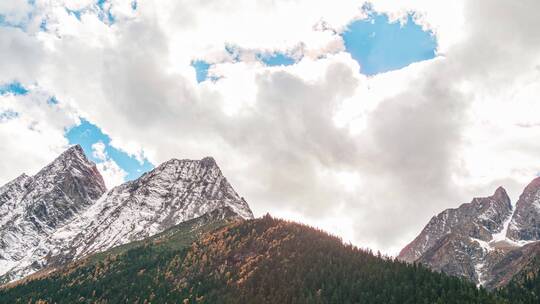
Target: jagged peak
[206,162]
[501,195]
[533,186]
[72,160]
[74,152]
[73,156]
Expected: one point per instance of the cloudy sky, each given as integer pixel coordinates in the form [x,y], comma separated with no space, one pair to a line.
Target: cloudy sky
[362,118]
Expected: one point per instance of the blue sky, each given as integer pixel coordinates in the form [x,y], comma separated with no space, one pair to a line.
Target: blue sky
[380,46]
[277,59]
[376,43]
[201,69]
[86,134]
[13,88]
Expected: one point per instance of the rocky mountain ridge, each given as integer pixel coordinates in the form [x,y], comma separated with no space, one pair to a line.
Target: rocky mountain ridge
[64,212]
[485,241]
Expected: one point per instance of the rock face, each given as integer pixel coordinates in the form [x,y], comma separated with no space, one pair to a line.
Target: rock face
[33,208]
[63,212]
[481,240]
[479,219]
[525,224]
[174,192]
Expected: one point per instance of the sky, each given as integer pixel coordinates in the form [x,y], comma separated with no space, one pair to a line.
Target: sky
[362,118]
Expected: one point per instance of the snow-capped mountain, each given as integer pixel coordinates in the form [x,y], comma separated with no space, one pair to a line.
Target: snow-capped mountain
[479,219]
[485,240]
[64,212]
[33,208]
[525,224]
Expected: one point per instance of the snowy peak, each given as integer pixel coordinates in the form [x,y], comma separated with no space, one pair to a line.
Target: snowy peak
[198,184]
[64,187]
[33,208]
[174,192]
[480,240]
[525,223]
[63,213]
[479,219]
[72,166]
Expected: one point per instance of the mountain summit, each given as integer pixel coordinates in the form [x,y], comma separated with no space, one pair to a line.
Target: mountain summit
[484,241]
[64,212]
[33,208]
[525,224]
[479,219]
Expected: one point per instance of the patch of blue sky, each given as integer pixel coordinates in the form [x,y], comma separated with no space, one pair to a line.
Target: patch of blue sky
[105,13]
[14,88]
[86,134]
[76,13]
[381,46]
[201,69]
[276,59]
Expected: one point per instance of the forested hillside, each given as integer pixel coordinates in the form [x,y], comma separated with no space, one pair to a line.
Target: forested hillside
[264,260]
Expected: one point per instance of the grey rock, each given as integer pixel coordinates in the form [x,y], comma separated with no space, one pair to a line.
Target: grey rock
[63,213]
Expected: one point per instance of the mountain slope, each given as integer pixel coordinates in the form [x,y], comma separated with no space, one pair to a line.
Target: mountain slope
[70,217]
[525,224]
[176,191]
[255,261]
[524,288]
[482,241]
[479,219]
[33,208]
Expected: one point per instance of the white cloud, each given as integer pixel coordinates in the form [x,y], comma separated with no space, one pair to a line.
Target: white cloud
[15,11]
[416,140]
[34,135]
[109,169]
[112,174]
[98,150]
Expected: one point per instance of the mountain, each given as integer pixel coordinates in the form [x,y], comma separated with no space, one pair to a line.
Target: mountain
[226,260]
[479,219]
[33,208]
[525,224]
[63,213]
[484,241]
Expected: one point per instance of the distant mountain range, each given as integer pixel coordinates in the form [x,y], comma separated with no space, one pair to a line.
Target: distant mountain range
[181,234]
[485,241]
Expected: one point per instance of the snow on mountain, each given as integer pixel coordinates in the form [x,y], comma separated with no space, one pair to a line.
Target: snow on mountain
[33,208]
[479,219]
[525,223]
[476,240]
[77,218]
[176,191]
